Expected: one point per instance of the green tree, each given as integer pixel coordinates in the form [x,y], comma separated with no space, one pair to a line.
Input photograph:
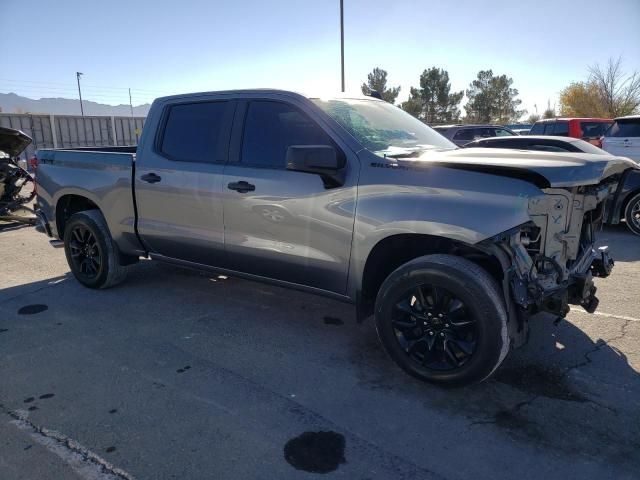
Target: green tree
[433,102]
[608,92]
[414,104]
[492,99]
[377,80]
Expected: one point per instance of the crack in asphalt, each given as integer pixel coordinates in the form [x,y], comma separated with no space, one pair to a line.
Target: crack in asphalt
[105,470]
[587,360]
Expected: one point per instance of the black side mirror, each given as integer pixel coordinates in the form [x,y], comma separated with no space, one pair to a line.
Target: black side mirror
[319,159]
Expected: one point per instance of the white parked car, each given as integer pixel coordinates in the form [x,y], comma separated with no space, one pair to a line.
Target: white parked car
[623,138]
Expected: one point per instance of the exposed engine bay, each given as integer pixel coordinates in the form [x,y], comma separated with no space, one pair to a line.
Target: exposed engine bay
[17,186]
[553,258]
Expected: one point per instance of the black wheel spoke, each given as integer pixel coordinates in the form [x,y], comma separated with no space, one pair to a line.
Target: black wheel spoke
[434,327]
[422,301]
[404,323]
[404,306]
[462,345]
[450,355]
[84,251]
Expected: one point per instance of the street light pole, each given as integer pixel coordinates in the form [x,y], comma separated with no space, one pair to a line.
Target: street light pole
[342,42]
[78,75]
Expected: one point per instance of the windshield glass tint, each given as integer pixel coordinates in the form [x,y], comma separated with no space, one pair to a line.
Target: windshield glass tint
[382,127]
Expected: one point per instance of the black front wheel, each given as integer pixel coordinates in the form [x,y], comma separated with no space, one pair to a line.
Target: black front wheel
[91,253]
[442,319]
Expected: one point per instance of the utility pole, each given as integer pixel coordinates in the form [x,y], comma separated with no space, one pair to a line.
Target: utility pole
[130,103]
[342,42]
[135,129]
[78,75]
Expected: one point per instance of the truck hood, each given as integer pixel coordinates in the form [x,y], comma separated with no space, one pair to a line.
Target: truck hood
[13,142]
[545,169]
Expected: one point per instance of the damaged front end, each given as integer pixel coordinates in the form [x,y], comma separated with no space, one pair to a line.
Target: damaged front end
[550,262]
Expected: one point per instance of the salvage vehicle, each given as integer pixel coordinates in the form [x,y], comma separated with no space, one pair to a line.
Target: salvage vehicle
[451,250]
[17,188]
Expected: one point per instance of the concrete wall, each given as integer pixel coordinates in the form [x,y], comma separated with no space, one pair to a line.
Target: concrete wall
[67,131]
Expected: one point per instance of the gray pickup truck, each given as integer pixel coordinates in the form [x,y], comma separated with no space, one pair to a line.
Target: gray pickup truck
[452,250]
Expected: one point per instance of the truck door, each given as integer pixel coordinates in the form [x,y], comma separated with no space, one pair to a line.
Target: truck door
[178,182]
[282,224]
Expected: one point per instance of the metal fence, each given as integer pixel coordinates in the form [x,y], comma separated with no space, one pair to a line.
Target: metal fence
[67,131]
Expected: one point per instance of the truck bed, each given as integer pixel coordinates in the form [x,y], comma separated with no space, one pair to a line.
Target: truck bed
[101,174]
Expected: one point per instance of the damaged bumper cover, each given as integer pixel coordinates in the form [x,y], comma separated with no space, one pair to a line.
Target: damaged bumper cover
[550,262]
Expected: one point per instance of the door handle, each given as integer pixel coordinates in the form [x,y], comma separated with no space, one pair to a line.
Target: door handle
[151,178]
[242,186]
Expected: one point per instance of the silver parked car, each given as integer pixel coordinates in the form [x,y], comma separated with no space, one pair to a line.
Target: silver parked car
[452,250]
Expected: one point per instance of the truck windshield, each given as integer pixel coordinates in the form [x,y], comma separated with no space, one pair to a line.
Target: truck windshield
[383,128]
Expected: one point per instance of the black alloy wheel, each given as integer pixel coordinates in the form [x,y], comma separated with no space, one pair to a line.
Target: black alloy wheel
[434,328]
[86,253]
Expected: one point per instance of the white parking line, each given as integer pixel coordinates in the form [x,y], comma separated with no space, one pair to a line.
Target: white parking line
[608,315]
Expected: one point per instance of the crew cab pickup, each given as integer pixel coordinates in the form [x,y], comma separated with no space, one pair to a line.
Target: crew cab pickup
[452,250]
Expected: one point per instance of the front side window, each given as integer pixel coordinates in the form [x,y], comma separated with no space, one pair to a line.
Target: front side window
[196,132]
[383,128]
[271,128]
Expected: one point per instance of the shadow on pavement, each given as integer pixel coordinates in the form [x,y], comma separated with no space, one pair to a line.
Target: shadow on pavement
[563,391]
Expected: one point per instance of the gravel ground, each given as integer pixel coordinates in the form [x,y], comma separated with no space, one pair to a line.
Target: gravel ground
[178,374]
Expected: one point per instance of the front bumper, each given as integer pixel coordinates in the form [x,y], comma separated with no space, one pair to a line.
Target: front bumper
[578,288]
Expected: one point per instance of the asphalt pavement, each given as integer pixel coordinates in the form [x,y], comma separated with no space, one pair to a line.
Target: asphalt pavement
[179,374]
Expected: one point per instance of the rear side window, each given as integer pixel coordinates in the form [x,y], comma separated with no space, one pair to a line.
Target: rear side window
[558,128]
[547,148]
[593,129]
[197,132]
[272,127]
[625,128]
[474,133]
[501,132]
[466,134]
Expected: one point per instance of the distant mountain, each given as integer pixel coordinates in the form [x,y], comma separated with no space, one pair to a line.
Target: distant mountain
[12,103]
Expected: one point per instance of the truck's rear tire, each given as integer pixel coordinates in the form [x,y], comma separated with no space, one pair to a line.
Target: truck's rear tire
[632,214]
[442,319]
[92,255]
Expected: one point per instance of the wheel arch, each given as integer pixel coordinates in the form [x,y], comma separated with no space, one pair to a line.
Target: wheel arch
[393,251]
[627,200]
[69,204]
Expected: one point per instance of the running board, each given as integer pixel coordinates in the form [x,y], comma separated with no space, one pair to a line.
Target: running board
[56,243]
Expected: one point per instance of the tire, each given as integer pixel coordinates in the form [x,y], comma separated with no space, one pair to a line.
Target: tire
[92,255]
[455,333]
[632,214]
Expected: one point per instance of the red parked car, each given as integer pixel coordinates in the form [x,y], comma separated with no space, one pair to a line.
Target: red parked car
[589,129]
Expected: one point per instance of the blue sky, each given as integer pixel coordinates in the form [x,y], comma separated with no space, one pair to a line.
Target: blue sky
[162,47]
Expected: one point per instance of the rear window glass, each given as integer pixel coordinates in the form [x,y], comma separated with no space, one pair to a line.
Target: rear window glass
[593,129]
[625,128]
[196,132]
